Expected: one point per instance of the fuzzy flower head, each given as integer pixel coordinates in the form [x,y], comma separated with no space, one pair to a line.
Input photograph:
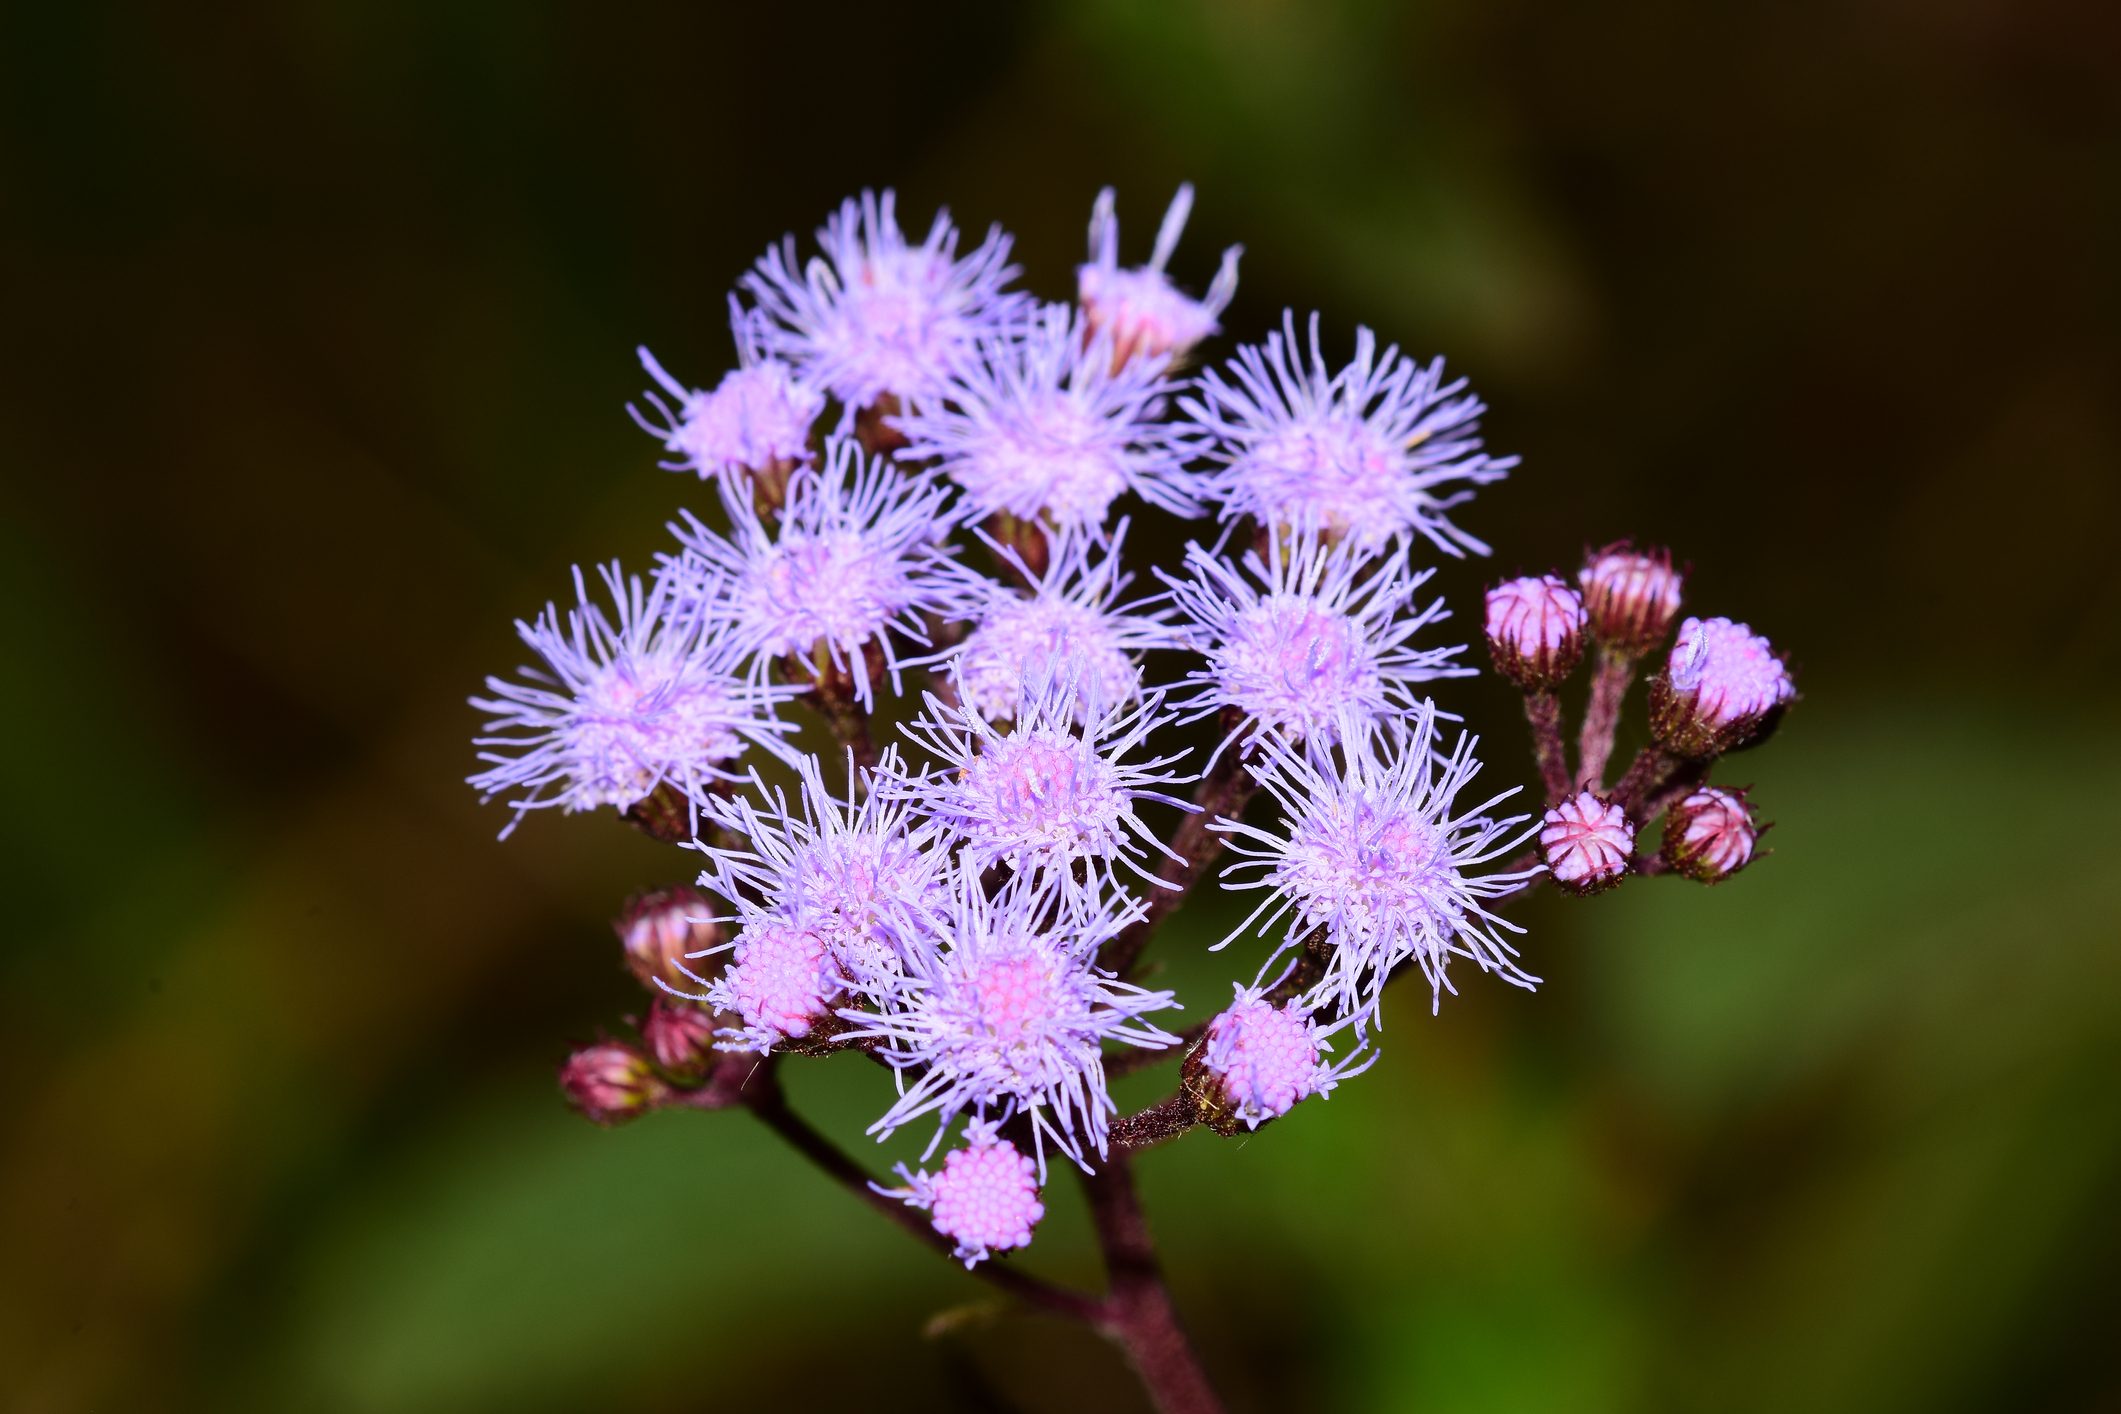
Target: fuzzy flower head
[1139,311]
[756,421]
[852,868]
[1039,425]
[1376,855]
[622,704]
[1308,634]
[1587,843]
[852,564]
[1711,834]
[1069,624]
[1007,1013]
[1630,597]
[984,1198]
[1722,688]
[1382,448]
[1535,630]
[1260,1059]
[877,316]
[781,980]
[1050,792]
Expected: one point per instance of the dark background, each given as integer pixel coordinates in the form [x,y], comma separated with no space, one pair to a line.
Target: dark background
[319,323]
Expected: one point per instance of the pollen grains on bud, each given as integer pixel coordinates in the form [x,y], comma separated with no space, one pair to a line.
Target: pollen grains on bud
[1723,687]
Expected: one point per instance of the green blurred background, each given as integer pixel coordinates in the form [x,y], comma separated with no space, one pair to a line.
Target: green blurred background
[320,321]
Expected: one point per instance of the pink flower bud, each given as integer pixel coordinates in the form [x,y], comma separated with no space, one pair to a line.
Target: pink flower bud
[679,1034]
[609,1083]
[1587,843]
[1631,597]
[1710,835]
[1722,688]
[660,929]
[1535,631]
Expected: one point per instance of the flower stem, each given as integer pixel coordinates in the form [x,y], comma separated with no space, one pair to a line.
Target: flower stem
[764,1097]
[1222,793]
[1139,1315]
[1543,711]
[1601,718]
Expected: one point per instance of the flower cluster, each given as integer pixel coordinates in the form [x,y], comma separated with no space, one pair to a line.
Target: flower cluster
[922,487]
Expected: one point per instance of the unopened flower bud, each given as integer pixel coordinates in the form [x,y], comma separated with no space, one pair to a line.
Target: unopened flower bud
[609,1083]
[1631,597]
[985,1197]
[1258,1060]
[1722,688]
[1535,631]
[660,929]
[1587,843]
[1710,835]
[679,1035]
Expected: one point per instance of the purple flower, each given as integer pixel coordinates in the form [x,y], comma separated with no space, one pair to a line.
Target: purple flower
[1711,834]
[756,420]
[1381,448]
[875,316]
[1069,624]
[1051,792]
[1721,689]
[1587,843]
[1308,634]
[1376,856]
[1263,1058]
[619,709]
[853,869]
[1535,630]
[1039,425]
[852,561]
[985,1198]
[1006,1013]
[1140,311]
[781,979]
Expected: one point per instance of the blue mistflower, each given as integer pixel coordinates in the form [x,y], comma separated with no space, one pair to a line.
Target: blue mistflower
[1381,448]
[619,709]
[1309,633]
[1006,1013]
[1052,792]
[1374,851]
[1068,623]
[875,316]
[1140,310]
[1040,425]
[756,420]
[851,564]
[856,868]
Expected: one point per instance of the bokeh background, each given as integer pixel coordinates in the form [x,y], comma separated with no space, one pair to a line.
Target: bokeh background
[319,325]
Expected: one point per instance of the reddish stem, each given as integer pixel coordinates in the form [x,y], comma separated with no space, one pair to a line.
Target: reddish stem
[761,1093]
[1543,711]
[1601,718]
[1222,793]
[1139,1314]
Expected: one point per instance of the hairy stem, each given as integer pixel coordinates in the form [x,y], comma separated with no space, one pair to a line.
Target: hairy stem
[1139,1315]
[1223,792]
[1163,1121]
[1609,688]
[1543,711]
[763,1096]
[1646,776]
